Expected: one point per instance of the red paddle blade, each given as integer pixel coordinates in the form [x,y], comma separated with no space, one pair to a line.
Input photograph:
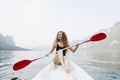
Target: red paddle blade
[97,37]
[21,64]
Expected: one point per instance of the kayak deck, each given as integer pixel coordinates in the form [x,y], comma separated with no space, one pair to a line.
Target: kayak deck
[54,72]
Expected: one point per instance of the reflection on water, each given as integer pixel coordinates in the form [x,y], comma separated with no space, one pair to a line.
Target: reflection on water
[100,65]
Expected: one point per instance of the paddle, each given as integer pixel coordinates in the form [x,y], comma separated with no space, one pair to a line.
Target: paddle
[23,63]
[96,37]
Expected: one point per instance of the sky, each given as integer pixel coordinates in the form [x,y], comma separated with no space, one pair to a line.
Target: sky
[36,22]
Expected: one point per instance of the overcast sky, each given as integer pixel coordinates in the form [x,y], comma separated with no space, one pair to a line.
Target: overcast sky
[36,22]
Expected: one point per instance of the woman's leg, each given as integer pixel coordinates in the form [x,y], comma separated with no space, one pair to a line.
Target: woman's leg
[60,55]
[64,61]
[67,66]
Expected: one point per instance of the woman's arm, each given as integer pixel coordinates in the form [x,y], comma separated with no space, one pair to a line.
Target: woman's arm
[74,49]
[52,49]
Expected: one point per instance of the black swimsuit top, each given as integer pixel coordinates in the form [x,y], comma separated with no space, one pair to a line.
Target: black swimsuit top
[59,47]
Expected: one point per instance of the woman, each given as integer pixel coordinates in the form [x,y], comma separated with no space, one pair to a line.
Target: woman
[66,70]
[61,42]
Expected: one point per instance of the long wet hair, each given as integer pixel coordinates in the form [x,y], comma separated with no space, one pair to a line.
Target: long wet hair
[64,39]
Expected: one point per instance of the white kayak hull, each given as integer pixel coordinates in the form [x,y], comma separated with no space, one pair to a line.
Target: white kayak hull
[53,72]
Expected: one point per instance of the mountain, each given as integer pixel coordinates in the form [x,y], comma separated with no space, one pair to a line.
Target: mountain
[111,43]
[9,40]
[7,43]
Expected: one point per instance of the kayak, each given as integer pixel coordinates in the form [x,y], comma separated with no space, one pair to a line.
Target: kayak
[56,72]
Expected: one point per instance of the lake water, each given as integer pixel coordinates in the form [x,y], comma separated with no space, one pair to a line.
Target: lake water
[100,65]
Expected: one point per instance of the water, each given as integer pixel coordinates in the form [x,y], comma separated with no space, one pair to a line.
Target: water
[100,65]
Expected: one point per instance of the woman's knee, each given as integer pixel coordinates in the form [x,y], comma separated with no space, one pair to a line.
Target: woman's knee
[65,58]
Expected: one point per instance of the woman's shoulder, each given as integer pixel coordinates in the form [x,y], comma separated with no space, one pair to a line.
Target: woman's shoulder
[55,43]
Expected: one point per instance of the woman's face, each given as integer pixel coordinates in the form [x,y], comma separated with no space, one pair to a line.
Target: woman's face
[59,35]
